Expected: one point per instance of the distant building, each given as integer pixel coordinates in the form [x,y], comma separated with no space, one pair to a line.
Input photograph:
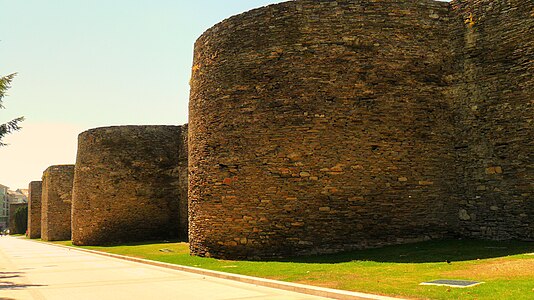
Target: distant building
[15,200]
[17,197]
[4,207]
[7,197]
[25,192]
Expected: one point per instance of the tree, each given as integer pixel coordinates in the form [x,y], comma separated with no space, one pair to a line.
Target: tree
[21,220]
[13,125]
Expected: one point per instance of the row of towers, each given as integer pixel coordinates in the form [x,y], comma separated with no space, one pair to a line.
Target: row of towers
[320,126]
[129,184]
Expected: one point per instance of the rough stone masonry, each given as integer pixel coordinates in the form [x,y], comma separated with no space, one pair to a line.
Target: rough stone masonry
[493,110]
[56,202]
[325,126]
[34,209]
[130,185]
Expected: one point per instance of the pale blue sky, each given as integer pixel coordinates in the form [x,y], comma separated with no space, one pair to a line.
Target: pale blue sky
[91,63]
[101,62]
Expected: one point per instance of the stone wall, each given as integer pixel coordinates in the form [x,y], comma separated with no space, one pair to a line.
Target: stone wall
[493,100]
[12,209]
[34,209]
[183,183]
[56,202]
[129,184]
[321,126]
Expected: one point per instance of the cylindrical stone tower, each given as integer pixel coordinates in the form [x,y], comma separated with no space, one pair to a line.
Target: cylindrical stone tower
[320,126]
[127,184]
[56,203]
[34,209]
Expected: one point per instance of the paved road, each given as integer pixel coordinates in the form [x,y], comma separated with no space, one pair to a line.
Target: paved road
[31,270]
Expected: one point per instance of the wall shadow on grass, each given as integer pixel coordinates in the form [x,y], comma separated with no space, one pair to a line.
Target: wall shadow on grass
[140,243]
[426,252]
[423,252]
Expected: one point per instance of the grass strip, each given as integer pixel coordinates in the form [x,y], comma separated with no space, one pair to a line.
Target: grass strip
[506,268]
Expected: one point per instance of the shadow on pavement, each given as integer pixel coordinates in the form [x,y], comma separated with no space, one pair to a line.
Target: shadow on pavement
[10,285]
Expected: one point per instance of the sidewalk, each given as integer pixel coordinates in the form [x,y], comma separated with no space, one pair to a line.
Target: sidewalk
[31,270]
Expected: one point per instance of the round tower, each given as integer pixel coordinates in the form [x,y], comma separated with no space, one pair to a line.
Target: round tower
[319,127]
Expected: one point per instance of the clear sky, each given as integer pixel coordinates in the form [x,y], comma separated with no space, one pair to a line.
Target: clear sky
[90,63]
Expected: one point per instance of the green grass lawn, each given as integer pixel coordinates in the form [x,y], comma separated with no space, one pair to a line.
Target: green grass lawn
[507,268]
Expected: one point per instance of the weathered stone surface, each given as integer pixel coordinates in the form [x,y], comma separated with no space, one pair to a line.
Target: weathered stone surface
[323,126]
[324,103]
[183,183]
[56,200]
[130,184]
[34,209]
[12,209]
[493,92]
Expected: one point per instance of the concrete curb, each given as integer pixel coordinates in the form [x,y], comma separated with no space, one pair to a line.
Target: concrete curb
[294,287]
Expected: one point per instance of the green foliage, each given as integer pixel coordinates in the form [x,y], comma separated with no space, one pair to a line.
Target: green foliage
[13,125]
[506,268]
[21,220]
